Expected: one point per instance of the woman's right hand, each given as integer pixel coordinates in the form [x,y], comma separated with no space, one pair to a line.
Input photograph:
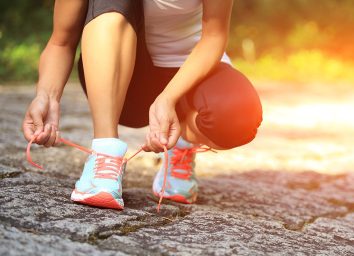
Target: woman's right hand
[42,120]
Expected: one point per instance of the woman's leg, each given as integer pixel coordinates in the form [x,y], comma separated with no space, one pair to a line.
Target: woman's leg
[223,112]
[191,132]
[108,54]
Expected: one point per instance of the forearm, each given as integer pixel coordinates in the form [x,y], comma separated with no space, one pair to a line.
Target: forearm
[204,57]
[207,53]
[55,65]
[57,59]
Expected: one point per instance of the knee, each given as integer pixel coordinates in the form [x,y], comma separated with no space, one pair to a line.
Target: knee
[232,127]
[231,116]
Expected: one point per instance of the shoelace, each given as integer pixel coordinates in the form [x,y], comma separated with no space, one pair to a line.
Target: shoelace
[182,159]
[116,160]
[108,167]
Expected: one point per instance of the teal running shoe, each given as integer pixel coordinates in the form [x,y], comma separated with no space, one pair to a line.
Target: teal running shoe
[181,182]
[101,181]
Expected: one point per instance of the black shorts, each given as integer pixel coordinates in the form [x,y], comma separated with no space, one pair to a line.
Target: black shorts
[128,8]
[229,109]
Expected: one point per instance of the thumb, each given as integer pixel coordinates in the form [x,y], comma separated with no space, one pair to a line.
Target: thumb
[175,132]
[164,130]
[38,123]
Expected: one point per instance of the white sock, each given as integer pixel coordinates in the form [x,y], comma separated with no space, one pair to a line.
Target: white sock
[110,146]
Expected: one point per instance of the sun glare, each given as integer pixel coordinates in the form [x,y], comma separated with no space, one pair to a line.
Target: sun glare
[302,131]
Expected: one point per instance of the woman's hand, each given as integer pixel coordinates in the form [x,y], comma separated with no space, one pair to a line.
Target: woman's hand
[42,120]
[164,125]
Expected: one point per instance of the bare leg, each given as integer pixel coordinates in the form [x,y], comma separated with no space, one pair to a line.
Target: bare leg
[191,133]
[108,48]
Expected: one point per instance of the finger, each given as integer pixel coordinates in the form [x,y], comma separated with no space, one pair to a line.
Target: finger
[37,122]
[152,142]
[52,137]
[146,146]
[28,132]
[175,132]
[157,145]
[150,145]
[164,129]
[57,138]
[28,127]
[44,136]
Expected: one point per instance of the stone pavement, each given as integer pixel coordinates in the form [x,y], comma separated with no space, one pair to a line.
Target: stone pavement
[257,212]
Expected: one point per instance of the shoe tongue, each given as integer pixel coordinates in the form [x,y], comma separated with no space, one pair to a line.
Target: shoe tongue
[183,144]
[110,146]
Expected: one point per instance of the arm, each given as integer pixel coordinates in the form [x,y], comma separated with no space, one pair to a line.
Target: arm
[57,58]
[164,124]
[55,64]
[207,53]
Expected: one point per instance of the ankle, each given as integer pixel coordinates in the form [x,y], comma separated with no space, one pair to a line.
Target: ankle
[101,135]
[105,132]
[111,146]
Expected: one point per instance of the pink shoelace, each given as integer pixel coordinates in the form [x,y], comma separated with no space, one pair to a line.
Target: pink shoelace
[113,164]
[182,160]
[108,167]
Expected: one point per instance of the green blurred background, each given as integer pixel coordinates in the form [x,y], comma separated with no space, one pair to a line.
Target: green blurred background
[300,41]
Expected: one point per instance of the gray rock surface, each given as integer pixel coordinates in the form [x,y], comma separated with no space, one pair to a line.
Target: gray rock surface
[251,213]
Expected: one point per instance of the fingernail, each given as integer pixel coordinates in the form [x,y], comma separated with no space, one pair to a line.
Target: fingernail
[163,141]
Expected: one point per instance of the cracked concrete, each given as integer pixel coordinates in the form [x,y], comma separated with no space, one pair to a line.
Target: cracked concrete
[257,212]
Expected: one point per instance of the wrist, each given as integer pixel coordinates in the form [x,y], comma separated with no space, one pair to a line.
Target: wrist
[49,93]
[170,96]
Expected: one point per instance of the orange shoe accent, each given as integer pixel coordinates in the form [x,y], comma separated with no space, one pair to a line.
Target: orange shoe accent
[102,199]
[180,198]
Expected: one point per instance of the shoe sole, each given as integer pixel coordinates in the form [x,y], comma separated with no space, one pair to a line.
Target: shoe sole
[102,199]
[178,198]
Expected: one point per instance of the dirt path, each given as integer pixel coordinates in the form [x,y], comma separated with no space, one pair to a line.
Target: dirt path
[263,198]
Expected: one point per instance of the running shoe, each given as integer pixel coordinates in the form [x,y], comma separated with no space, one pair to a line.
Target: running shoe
[101,181]
[181,182]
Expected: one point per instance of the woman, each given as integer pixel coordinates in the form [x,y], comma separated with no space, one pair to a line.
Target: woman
[187,87]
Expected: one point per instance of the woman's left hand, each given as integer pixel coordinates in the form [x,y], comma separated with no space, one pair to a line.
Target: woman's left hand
[164,125]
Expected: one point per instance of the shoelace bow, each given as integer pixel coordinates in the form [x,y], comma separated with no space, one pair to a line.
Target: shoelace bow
[182,159]
[111,166]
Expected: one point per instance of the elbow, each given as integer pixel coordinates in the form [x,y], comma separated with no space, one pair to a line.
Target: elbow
[65,40]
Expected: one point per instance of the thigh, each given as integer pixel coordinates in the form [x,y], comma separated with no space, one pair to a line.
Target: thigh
[228,106]
[132,114]
[131,10]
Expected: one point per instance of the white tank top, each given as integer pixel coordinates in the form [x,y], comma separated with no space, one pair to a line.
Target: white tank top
[173,28]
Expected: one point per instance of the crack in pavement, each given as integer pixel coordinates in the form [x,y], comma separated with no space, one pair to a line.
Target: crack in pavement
[331,215]
[314,184]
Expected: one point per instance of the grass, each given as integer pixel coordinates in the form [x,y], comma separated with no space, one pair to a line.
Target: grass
[18,63]
[302,67]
